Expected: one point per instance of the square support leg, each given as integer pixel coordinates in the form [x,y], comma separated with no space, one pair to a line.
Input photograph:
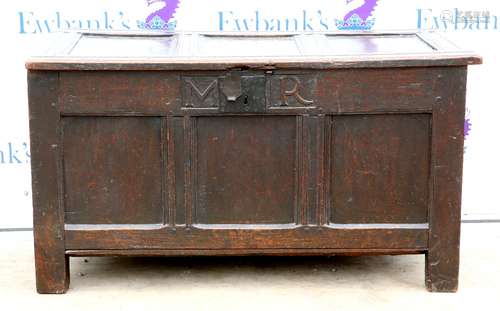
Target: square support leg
[442,258]
[51,262]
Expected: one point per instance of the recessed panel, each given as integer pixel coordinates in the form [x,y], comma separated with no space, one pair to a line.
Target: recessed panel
[246,170]
[147,45]
[380,168]
[234,46]
[163,45]
[112,170]
[374,44]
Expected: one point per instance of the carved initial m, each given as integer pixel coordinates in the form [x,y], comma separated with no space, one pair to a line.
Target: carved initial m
[200,94]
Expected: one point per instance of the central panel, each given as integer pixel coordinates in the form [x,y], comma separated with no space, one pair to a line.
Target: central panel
[246,170]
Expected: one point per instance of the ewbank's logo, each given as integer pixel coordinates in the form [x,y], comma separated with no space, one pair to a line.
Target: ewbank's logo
[457,20]
[359,18]
[161,17]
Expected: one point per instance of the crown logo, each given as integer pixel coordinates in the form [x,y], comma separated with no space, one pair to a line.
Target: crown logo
[355,23]
[157,23]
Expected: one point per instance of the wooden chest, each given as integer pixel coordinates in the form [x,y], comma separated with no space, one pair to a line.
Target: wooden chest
[238,144]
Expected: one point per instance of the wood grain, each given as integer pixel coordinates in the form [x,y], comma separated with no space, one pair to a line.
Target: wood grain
[246,252]
[51,262]
[348,91]
[442,259]
[238,182]
[238,237]
[113,170]
[380,168]
[260,152]
[119,92]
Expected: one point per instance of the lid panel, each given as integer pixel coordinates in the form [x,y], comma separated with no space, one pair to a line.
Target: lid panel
[221,51]
[125,46]
[377,44]
[206,45]
[246,46]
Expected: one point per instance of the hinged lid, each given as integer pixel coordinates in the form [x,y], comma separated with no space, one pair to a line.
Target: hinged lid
[219,51]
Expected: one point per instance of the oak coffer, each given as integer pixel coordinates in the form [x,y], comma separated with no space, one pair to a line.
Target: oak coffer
[181,144]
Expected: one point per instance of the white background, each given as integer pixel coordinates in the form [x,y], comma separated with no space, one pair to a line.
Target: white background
[481,168]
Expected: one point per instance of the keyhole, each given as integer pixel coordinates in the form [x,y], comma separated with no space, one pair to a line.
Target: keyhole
[245,100]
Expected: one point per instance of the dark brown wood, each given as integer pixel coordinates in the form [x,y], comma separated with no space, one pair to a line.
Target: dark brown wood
[250,236]
[113,93]
[51,262]
[216,51]
[380,168]
[117,92]
[404,90]
[112,170]
[180,158]
[230,164]
[442,259]
[170,147]
[244,252]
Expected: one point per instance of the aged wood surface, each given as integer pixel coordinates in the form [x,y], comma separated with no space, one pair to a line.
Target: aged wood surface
[246,252]
[112,170]
[241,237]
[117,92]
[298,91]
[380,168]
[51,262]
[215,51]
[230,166]
[377,90]
[442,259]
[318,147]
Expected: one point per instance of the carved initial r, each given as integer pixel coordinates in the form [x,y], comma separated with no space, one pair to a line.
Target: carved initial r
[293,92]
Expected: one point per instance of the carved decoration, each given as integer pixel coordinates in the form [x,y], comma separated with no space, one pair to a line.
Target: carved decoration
[294,91]
[200,92]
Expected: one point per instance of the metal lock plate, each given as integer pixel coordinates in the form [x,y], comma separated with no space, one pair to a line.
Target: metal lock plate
[242,92]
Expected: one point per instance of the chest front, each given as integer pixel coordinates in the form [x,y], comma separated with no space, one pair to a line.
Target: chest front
[248,155]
